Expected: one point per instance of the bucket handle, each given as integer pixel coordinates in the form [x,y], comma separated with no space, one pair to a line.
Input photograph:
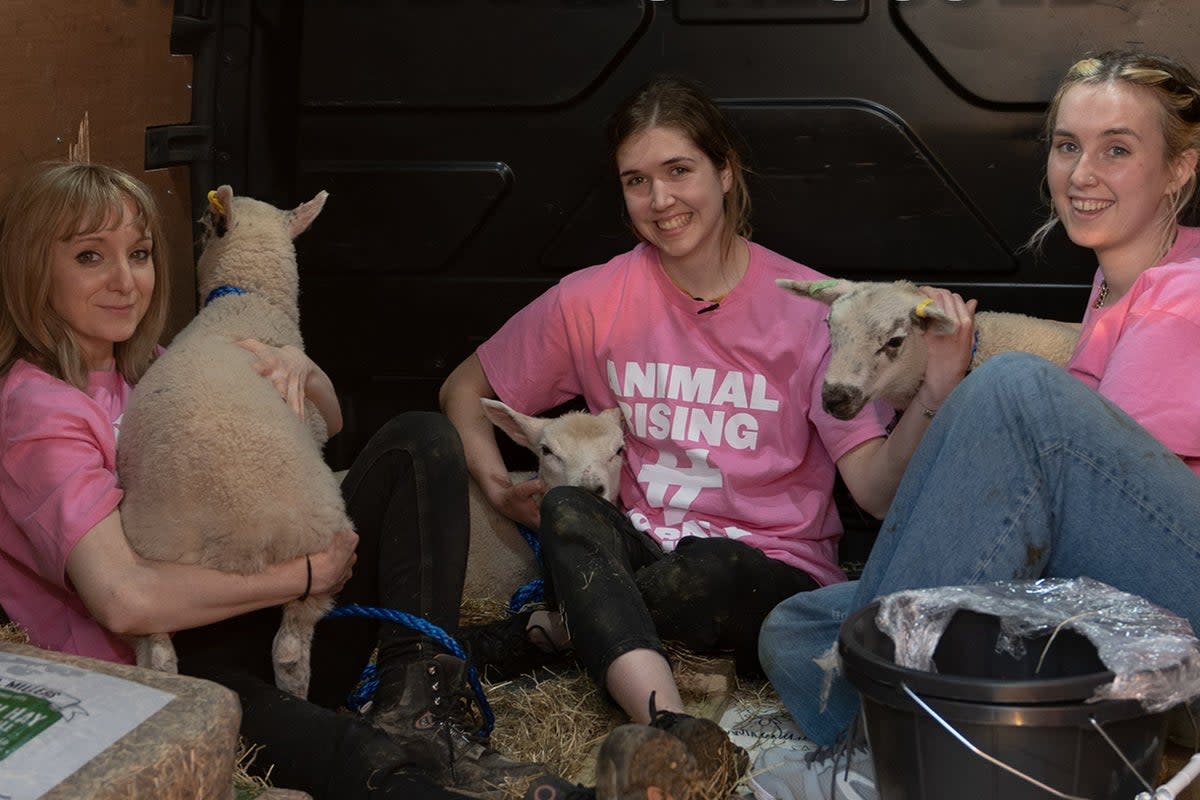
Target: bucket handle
[993,760]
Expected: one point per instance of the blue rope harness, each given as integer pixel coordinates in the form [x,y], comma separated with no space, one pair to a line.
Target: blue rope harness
[221,291]
[369,682]
[535,590]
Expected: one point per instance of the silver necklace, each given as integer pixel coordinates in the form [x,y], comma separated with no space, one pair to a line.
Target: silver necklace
[1100,298]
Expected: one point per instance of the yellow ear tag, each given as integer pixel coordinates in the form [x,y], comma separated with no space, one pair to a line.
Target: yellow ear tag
[921,306]
[215,201]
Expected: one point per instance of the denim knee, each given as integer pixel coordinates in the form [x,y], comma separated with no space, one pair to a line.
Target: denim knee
[1017,380]
[1013,371]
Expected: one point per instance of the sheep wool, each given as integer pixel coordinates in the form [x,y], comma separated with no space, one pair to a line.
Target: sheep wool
[217,471]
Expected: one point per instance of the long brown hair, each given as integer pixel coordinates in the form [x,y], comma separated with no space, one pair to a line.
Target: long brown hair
[54,202]
[670,101]
[1177,92]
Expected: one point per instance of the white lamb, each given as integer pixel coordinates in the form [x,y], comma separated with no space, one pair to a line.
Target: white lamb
[575,449]
[874,356]
[217,469]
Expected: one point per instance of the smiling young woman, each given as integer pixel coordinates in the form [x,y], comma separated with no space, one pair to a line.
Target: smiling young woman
[101,283]
[1112,178]
[82,303]
[1032,471]
[726,502]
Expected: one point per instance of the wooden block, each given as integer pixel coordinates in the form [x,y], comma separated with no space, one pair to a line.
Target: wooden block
[186,749]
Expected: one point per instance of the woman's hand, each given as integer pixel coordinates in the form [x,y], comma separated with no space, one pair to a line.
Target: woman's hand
[287,368]
[520,502]
[950,353]
[334,565]
[296,377]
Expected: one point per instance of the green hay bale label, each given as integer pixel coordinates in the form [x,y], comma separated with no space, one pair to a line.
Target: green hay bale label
[22,717]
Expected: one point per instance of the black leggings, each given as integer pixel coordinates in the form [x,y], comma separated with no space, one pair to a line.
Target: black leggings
[618,591]
[407,496]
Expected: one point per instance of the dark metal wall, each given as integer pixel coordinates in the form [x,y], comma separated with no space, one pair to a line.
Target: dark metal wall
[461,142]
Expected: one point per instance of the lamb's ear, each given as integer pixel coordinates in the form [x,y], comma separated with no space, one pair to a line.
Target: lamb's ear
[614,414]
[225,198]
[928,315]
[521,428]
[304,214]
[825,290]
[218,217]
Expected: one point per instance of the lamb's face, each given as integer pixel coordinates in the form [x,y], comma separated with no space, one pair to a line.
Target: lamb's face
[876,349]
[578,449]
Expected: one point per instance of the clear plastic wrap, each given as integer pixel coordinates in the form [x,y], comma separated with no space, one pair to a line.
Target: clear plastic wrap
[1153,653]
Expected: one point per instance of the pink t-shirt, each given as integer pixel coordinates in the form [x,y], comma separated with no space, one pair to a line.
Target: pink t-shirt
[58,462]
[725,431]
[1143,351]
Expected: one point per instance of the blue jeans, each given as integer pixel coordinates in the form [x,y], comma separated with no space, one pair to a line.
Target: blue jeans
[1024,473]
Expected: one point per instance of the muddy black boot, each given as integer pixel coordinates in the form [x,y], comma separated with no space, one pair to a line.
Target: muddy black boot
[503,649]
[721,763]
[429,712]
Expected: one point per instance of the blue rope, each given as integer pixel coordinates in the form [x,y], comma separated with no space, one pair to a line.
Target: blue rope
[221,291]
[535,590]
[427,628]
[367,684]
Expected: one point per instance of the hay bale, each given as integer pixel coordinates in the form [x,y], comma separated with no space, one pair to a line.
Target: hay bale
[12,633]
[185,750]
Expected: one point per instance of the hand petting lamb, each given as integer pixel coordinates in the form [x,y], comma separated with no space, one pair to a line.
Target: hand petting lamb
[217,469]
[575,449]
[874,356]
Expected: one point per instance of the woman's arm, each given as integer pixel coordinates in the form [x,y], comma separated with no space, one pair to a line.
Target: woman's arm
[128,594]
[296,376]
[459,398]
[872,471]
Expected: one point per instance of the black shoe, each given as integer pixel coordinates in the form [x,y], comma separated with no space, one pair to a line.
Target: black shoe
[502,649]
[427,709]
[552,787]
[721,762]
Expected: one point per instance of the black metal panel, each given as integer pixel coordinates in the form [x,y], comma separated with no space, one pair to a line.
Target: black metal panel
[1013,51]
[396,217]
[461,53]
[731,11]
[887,138]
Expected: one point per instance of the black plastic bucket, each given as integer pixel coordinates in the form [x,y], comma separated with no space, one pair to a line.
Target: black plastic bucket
[1037,724]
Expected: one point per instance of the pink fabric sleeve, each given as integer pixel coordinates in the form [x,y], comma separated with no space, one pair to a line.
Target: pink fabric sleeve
[531,347]
[58,478]
[1153,374]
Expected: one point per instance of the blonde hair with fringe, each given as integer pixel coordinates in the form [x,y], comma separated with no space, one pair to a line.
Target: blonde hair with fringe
[670,101]
[55,202]
[1177,92]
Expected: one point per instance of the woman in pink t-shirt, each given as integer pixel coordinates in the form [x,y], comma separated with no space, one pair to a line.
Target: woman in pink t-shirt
[1031,471]
[83,282]
[730,460]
